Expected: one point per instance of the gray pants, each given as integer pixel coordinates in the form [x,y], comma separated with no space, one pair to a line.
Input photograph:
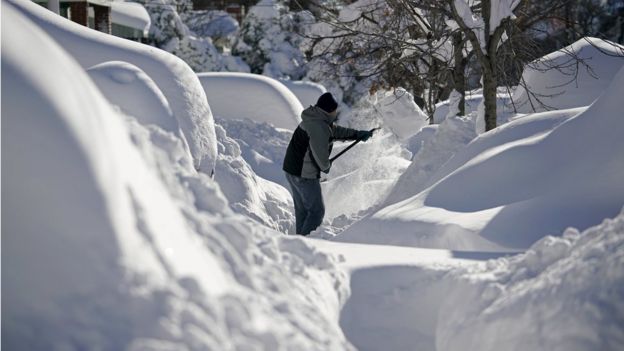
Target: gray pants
[308,199]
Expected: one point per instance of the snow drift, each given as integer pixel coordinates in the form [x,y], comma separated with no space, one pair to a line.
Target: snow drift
[175,78]
[263,200]
[564,293]
[514,192]
[135,93]
[251,96]
[114,241]
[570,84]
[307,92]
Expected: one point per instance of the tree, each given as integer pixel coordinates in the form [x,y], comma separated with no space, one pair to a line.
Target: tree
[269,42]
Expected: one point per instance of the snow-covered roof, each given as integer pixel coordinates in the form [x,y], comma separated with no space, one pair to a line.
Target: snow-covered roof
[130,14]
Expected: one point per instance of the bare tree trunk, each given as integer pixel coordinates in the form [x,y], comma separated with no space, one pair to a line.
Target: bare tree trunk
[489,96]
[459,80]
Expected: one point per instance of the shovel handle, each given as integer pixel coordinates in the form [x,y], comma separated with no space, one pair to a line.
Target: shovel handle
[350,146]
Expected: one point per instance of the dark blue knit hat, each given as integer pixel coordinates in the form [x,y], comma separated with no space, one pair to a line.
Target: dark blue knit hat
[327,103]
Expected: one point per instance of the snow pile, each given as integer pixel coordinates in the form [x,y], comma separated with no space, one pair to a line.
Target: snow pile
[557,81]
[114,241]
[450,137]
[135,93]
[130,14]
[399,112]
[307,92]
[175,79]
[564,293]
[252,96]
[504,107]
[511,188]
[261,145]
[248,194]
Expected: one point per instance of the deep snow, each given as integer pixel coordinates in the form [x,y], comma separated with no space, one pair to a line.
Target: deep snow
[252,96]
[113,240]
[558,81]
[175,79]
[508,189]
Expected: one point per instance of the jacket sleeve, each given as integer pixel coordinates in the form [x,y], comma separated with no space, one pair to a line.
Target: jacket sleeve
[320,136]
[342,133]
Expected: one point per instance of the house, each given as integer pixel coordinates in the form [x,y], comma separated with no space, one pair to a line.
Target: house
[123,19]
[236,8]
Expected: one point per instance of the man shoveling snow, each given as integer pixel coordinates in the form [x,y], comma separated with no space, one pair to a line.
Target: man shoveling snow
[308,155]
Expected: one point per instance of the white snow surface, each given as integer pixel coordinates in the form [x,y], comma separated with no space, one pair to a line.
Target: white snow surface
[508,189]
[135,93]
[175,78]
[263,200]
[563,293]
[307,92]
[399,112]
[251,96]
[572,84]
[113,241]
[130,14]
[261,145]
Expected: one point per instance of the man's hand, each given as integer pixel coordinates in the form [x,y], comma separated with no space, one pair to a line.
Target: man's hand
[327,170]
[364,134]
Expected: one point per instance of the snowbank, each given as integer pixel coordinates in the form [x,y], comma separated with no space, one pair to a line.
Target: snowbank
[113,240]
[135,93]
[564,293]
[307,92]
[511,189]
[248,194]
[252,96]
[261,145]
[175,79]
[451,136]
[400,113]
[83,215]
[504,108]
[572,84]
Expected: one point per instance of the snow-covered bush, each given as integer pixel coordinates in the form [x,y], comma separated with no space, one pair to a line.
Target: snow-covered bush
[270,38]
[169,32]
[218,25]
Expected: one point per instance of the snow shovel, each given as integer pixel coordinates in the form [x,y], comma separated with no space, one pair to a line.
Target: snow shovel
[350,146]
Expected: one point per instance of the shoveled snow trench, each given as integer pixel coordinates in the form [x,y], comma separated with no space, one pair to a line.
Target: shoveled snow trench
[397,292]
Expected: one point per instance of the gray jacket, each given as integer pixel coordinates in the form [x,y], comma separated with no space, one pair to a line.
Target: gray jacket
[309,149]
